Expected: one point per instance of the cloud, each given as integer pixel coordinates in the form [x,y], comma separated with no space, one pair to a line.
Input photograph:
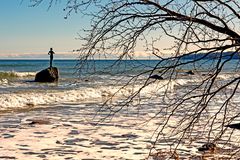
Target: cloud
[58,55]
[75,55]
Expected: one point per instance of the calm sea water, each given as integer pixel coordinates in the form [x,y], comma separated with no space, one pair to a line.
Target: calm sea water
[67,67]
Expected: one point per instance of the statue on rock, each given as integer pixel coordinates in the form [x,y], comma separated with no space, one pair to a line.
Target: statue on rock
[51,56]
[49,74]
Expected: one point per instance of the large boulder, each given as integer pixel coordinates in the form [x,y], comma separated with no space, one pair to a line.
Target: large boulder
[47,75]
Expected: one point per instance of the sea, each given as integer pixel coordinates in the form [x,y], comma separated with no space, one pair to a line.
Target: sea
[124,97]
[18,89]
[96,78]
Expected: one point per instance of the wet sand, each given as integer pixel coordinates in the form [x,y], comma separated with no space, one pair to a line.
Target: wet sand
[68,132]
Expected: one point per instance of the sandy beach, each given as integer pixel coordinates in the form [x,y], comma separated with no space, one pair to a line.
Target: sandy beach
[70,135]
[68,132]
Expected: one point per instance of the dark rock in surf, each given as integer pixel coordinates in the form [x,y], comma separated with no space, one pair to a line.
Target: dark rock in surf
[37,121]
[157,77]
[234,126]
[47,75]
[208,147]
[190,72]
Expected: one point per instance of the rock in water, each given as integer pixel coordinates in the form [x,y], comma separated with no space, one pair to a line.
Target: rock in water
[157,77]
[190,72]
[37,121]
[234,126]
[208,147]
[47,75]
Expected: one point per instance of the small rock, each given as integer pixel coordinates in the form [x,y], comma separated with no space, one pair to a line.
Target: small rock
[7,157]
[37,121]
[162,155]
[30,104]
[42,156]
[7,135]
[72,141]
[74,132]
[190,72]
[157,77]
[208,147]
[234,126]
[66,125]
[40,132]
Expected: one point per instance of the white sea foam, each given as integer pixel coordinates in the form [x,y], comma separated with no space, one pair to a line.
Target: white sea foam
[9,74]
[24,74]
[33,98]
[3,81]
[227,76]
[80,95]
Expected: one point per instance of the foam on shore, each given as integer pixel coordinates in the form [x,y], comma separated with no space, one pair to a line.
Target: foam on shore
[14,74]
[33,98]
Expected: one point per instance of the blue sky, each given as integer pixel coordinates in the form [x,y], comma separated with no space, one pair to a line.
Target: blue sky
[29,32]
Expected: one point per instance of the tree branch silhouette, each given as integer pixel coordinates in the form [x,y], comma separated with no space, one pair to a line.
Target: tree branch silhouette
[196,28]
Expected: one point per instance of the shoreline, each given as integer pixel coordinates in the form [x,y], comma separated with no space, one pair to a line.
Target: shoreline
[76,130]
[66,136]
[72,134]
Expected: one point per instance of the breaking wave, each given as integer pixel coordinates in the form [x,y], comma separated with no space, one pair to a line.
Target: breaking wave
[38,98]
[13,74]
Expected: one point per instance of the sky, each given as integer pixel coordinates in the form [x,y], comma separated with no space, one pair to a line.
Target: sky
[29,32]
